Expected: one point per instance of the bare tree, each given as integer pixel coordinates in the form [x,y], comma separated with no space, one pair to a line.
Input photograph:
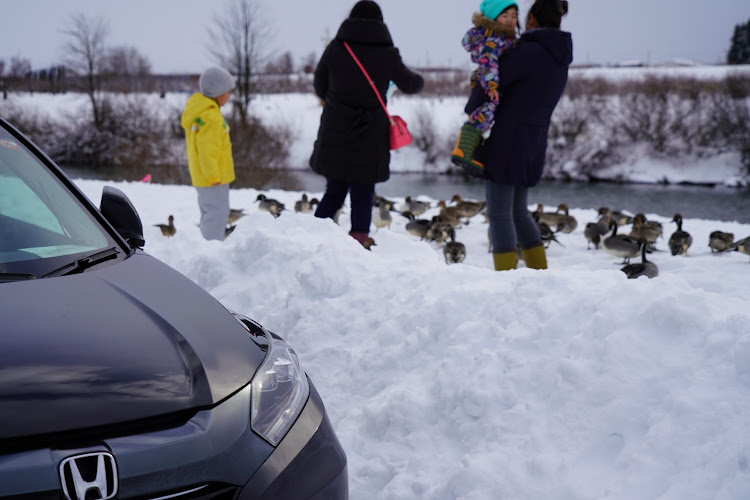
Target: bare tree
[126,67]
[240,37]
[86,54]
[20,67]
[309,62]
[283,65]
[126,61]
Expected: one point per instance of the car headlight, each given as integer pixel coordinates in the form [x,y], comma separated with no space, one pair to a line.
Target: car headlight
[279,389]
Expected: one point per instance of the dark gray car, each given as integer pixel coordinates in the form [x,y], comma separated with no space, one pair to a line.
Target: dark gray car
[120,377]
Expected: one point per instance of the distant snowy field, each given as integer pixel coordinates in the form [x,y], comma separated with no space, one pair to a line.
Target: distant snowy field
[687,70]
[300,114]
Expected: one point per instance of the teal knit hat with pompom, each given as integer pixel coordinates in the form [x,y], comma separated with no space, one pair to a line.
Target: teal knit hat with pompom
[493,8]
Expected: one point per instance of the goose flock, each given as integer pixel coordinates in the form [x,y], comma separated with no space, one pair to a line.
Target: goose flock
[642,238]
[622,235]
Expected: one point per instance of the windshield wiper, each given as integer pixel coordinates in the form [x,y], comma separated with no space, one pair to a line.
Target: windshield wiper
[80,265]
[8,277]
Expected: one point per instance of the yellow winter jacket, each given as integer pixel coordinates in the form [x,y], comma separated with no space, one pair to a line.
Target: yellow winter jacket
[209,149]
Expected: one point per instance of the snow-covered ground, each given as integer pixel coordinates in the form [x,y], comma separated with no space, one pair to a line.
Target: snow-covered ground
[459,382]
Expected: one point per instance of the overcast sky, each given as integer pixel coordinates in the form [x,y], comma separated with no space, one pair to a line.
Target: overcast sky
[172,33]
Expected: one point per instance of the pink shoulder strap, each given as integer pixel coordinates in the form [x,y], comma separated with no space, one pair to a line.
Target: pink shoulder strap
[374,88]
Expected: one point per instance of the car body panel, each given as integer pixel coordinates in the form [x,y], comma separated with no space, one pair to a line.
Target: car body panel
[115,344]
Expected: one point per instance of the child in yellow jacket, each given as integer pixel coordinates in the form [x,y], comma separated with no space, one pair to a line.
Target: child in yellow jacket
[209,150]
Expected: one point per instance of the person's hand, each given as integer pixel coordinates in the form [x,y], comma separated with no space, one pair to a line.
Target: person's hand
[494,95]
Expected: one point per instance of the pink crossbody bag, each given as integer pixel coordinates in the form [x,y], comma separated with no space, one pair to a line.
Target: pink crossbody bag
[398,133]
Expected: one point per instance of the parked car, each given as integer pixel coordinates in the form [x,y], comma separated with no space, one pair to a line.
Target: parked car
[120,377]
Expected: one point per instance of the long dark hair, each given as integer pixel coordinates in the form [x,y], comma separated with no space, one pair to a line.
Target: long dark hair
[549,13]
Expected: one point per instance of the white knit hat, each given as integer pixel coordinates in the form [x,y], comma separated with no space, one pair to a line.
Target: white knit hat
[215,81]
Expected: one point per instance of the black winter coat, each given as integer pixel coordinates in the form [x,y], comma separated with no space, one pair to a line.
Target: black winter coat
[533,76]
[352,144]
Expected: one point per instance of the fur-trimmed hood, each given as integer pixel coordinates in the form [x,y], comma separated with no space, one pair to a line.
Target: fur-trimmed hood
[480,21]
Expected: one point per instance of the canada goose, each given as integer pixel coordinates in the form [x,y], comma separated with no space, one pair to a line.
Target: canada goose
[621,245]
[454,252]
[417,227]
[274,207]
[451,214]
[229,230]
[565,223]
[440,231]
[467,208]
[235,214]
[720,241]
[548,218]
[303,205]
[621,218]
[416,207]
[742,246]
[643,268]
[379,200]
[167,230]
[645,230]
[545,232]
[381,215]
[605,216]
[369,243]
[680,240]
[594,231]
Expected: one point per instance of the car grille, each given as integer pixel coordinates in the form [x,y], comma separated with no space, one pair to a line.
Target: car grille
[72,439]
[210,491]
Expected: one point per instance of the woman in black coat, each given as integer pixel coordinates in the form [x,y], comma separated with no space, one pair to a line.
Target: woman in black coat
[533,76]
[352,149]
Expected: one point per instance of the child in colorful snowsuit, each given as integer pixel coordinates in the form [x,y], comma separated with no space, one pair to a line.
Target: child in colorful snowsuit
[494,32]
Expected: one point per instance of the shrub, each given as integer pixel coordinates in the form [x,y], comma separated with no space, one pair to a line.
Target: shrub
[258,150]
[426,138]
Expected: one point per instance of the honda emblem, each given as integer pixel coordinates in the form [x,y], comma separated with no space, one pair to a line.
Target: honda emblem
[90,475]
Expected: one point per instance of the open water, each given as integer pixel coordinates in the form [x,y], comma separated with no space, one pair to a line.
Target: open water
[693,202]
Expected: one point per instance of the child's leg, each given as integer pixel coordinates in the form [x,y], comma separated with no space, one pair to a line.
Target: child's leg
[483,117]
[480,121]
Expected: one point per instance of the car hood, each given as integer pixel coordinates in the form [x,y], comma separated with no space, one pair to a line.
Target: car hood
[129,341]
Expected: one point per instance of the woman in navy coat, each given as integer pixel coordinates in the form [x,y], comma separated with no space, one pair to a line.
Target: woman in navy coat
[532,79]
[352,149]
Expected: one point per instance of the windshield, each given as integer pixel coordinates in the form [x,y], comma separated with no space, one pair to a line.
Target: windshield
[42,225]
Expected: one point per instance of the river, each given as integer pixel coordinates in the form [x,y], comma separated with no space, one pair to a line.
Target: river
[693,202]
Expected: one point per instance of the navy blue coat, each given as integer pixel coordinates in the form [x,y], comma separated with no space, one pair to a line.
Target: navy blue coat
[533,76]
[352,143]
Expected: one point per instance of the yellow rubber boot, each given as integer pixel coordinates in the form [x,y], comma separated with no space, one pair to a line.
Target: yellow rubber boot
[535,257]
[504,261]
